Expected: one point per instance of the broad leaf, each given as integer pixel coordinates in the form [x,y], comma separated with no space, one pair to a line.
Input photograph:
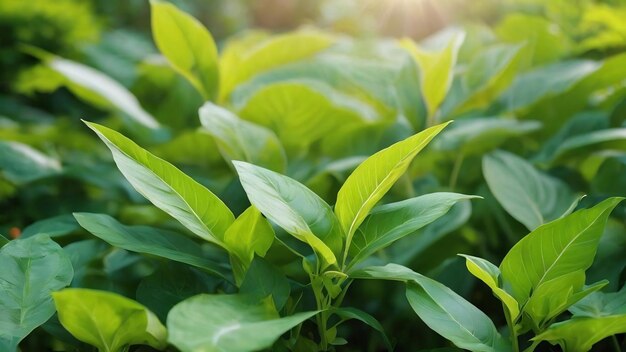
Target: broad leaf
[242,140]
[31,269]
[374,177]
[390,222]
[86,81]
[168,188]
[293,207]
[256,53]
[20,163]
[302,112]
[530,196]
[436,70]
[555,249]
[488,273]
[250,234]
[263,279]
[579,334]
[228,323]
[444,311]
[187,45]
[149,240]
[107,320]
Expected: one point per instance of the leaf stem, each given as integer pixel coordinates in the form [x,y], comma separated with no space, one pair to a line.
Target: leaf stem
[616,345]
[511,325]
[456,169]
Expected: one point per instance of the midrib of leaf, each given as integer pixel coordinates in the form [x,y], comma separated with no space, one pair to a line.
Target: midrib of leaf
[352,228]
[569,244]
[107,348]
[25,290]
[190,209]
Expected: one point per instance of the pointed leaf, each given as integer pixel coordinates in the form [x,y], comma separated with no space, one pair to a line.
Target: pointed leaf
[228,323]
[444,311]
[242,140]
[490,275]
[579,334]
[374,177]
[107,320]
[20,163]
[293,207]
[555,249]
[347,313]
[31,269]
[187,45]
[530,196]
[390,222]
[194,206]
[149,240]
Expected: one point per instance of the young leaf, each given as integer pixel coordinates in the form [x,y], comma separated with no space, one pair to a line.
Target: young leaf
[149,240]
[390,222]
[530,196]
[293,207]
[228,323]
[490,275]
[436,70]
[250,234]
[579,334]
[374,177]
[187,45]
[31,269]
[107,320]
[555,249]
[444,311]
[168,188]
[242,140]
[85,81]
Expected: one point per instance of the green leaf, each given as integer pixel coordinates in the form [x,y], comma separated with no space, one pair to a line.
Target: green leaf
[600,304]
[250,234]
[555,249]
[293,207]
[490,275]
[85,81]
[530,196]
[255,53]
[171,284]
[436,70]
[228,323]
[477,136]
[242,140]
[187,45]
[31,269]
[590,142]
[262,280]
[579,334]
[444,311]
[374,177]
[107,320]
[388,223]
[302,112]
[54,227]
[486,76]
[347,313]
[194,206]
[546,81]
[20,163]
[149,240]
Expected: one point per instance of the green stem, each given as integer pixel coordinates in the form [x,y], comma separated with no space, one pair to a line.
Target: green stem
[511,325]
[321,317]
[456,169]
[616,344]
